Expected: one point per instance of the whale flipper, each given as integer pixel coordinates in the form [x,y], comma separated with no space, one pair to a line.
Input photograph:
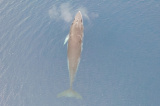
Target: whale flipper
[66,39]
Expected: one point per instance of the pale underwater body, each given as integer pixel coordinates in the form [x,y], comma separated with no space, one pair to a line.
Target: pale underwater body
[75,39]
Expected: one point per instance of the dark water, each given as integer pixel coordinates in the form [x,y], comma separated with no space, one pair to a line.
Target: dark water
[120,62]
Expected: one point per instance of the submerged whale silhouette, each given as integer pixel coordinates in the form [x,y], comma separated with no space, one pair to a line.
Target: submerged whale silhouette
[74,38]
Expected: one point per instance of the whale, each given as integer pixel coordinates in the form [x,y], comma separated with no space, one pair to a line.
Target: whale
[74,49]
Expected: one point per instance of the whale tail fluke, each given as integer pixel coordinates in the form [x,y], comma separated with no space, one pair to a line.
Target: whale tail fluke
[69,93]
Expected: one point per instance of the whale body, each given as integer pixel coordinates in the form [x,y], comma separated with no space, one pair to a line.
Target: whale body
[75,43]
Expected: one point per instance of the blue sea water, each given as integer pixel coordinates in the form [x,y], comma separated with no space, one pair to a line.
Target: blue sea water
[120,61]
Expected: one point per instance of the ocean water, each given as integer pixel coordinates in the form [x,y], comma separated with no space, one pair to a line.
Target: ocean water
[120,61]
